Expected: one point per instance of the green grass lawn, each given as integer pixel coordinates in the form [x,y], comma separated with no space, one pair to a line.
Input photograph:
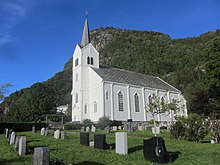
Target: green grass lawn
[71,151]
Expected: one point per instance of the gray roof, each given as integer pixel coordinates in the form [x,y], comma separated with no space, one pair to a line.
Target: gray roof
[133,78]
[85,36]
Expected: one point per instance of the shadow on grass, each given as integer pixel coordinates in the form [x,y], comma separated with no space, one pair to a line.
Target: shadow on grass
[134,149]
[19,160]
[89,163]
[112,146]
[173,155]
[30,149]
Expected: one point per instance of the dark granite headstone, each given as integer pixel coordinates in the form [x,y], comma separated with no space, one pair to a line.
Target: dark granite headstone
[100,141]
[41,156]
[154,150]
[84,138]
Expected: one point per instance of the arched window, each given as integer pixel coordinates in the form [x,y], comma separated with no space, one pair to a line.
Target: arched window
[91,60]
[85,108]
[95,107]
[76,98]
[136,103]
[150,99]
[120,101]
[76,62]
[106,95]
[88,60]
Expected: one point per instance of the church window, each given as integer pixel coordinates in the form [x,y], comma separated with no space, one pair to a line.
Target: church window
[76,62]
[76,98]
[85,108]
[76,77]
[91,60]
[150,99]
[136,103]
[95,107]
[120,101]
[88,60]
[106,95]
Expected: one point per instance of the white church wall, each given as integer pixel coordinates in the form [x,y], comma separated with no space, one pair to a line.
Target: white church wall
[107,99]
[95,96]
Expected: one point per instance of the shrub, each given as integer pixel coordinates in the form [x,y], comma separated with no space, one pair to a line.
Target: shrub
[73,126]
[87,122]
[215,129]
[104,122]
[178,130]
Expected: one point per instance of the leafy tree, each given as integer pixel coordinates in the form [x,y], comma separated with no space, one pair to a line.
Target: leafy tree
[3,90]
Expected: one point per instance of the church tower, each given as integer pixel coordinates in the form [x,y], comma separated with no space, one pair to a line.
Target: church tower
[84,57]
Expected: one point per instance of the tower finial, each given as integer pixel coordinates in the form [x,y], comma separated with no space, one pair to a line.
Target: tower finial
[87,14]
[86,36]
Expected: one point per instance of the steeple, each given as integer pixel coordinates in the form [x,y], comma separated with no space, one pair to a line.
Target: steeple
[85,37]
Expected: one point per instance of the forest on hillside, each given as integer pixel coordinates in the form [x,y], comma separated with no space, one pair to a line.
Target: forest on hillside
[192,65]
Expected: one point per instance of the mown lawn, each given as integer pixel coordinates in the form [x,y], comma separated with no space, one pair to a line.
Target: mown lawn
[71,151]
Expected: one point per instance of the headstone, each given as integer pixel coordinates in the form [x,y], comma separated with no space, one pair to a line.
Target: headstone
[156,131]
[125,126]
[42,131]
[91,143]
[84,138]
[33,129]
[83,128]
[12,138]
[6,132]
[93,129]
[114,128]
[41,156]
[63,135]
[22,145]
[87,129]
[140,128]
[107,129]
[9,135]
[17,143]
[154,150]
[100,141]
[46,131]
[119,127]
[121,143]
[57,134]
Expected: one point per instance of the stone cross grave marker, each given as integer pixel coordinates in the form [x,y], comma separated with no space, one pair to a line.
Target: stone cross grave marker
[93,129]
[42,131]
[17,143]
[12,138]
[22,145]
[41,156]
[121,146]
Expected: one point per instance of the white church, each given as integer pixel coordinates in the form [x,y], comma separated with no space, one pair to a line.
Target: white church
[115,93]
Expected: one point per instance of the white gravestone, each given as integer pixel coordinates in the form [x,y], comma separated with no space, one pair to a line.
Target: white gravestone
[114,128]
[121,143]
[83,128]
[17,143]
[22,145]
[93,129]
[6,132]
[156,131]
[119,128]
[12,138]
[41,156]
[42,131]
[63,135]
[57,134]
[87,129]
[140,128]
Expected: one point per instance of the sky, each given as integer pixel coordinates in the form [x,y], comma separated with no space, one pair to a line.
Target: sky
[38,37]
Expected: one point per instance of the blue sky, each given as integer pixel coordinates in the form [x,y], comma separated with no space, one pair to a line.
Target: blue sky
[38,37]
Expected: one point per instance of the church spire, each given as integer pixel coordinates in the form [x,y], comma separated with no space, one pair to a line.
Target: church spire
[86,36]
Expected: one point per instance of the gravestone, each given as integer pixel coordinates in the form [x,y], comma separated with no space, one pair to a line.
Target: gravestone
[91,143]
[140,128]
[93,129]
[156,131]
[57,134]
[46,131]
[6,132]
[9,135]
[119,127]
[42,131]
[154,150]
[41,156]
[125,126]
[121,143]
[63,135]
[87,129]
[107,129]
[84,138]
[22,145]
[114,128]
[12,138]
[33,129]
[17,143]
[83,128]
[100,141]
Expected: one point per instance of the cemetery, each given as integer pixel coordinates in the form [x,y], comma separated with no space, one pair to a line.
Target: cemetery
[91,145]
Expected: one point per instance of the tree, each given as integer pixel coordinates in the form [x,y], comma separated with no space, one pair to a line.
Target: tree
[3,90]
[158,106]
